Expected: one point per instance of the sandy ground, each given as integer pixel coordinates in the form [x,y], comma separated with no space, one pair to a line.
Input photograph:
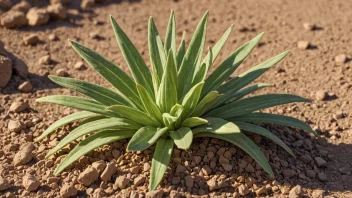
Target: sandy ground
[303,72]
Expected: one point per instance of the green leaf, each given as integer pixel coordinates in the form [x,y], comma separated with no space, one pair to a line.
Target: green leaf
[149,104]
[274,119]
[160,161]
[176,110]
[63,121]
[249,105]
[156,50]
[181,53]
[191,100]
[135,115]
[139,69]
[145,137]
[78,103]
[91,119]
[96,92]
[103,124]
[90,143]
[245,91]
[170,37]
[263,132]
[245,78]
[170,121]
[202,72]
[206,103]
[116,76]
[218,126]
[182,137]
[244,143]
[226,68]
[193,122]
[167,93]
[192,57]
[213,54]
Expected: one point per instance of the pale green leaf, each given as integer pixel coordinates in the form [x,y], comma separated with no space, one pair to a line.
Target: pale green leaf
[245,91]
[191,99]
[245,78]
[170,121]
[180,53]
[192,58]
[218,126]
[96,92]
[263,132]
[78,103]
[160,161]
[249,105]
[176,110]
[91,119]
[206,103]
[145,137]
[90,143]
[139,69]
[244,143]
[116,76]
[170,37]
[135,115]
[274,119]
[193,122]
[227,67]
[182,137]
[63,121]
[202,72]
[149,104]
[103,124]
[167,93]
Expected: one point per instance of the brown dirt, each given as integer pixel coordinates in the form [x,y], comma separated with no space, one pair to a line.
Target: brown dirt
[304,72]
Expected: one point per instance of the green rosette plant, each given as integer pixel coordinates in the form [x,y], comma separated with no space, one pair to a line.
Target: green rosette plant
[173,103]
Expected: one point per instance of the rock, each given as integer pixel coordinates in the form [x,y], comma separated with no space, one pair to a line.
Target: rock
[45,60]
[108,172]
[223,160]
[99,165]
[227,167]
[121,182]
[68,190]
[31,39]
[13,19]
[25,87]
[243,190]
[139,180]
[175,194]
[57,11]
[311,173]
[86,4]
[339,115]
[134,170]
[189,181]
[61,72]
[306,159]
[6,70]
[30,182]
[24,156]
[341,58]
[242,164]
[288,173]
[206,170]
[21,68]
[180,169]
[60,1]
[15,126]
[318,194]
[4,184]
[80,66]
[320,161]
[18,106]
[249,168]
[261,191]
[22,6]
[175,180]
[212,184]
[88,176]
[5,4]
[322,177]
[321,95]
[52,37]
[296,192]
[37,17]
[155,194]
[146,166]
[309,26]
[303,44]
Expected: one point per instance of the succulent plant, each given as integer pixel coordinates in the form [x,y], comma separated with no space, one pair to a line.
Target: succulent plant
[173,103]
